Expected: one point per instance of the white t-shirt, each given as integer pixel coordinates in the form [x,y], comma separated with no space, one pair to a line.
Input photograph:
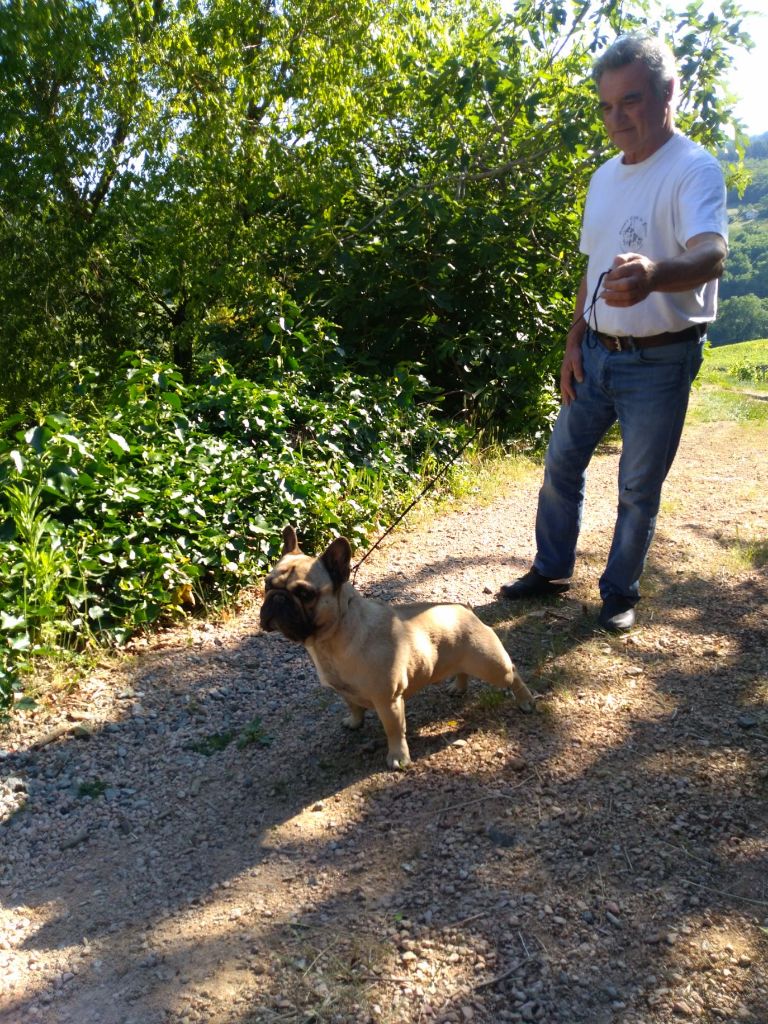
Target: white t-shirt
[653,208]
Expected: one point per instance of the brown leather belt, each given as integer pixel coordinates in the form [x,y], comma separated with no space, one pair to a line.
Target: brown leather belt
[628,343]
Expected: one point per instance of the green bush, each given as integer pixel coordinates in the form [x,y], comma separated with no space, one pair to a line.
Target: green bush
[113,519]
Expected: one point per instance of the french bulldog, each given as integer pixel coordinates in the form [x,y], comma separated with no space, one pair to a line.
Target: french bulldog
[373,654]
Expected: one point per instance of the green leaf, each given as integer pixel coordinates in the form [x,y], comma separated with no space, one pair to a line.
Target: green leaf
[118,444]
[36,438]
[173,400]
[11,622]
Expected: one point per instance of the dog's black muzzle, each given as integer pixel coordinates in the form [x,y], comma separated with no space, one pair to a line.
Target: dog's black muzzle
[285,614]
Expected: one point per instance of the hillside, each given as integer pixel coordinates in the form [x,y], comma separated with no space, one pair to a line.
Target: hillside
[744,288]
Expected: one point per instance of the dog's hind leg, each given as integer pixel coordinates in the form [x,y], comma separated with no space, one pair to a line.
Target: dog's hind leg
[493,665]
[523,695]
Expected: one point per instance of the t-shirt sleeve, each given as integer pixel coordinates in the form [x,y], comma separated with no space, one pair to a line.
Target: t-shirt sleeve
[701,205]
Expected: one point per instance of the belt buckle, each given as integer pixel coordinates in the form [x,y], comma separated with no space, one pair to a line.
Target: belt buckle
[623,343]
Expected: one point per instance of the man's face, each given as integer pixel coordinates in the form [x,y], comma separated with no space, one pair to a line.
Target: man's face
[638,122]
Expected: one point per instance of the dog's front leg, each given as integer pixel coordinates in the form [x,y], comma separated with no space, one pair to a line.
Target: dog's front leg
[392,715]
[354,719]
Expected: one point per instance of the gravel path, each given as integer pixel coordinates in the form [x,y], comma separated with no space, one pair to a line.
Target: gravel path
[190,836]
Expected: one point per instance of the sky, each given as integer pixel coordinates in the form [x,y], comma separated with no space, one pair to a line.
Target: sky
[748,78]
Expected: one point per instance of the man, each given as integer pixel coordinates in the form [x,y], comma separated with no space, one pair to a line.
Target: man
[654,230]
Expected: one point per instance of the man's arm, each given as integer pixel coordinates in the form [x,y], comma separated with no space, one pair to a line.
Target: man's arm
[633,277]
[571,366]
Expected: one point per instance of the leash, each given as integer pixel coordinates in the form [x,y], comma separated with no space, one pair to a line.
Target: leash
[430,484]
[475,434]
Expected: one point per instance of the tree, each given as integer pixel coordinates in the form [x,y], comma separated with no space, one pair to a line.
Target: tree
[175,175]
[741,318]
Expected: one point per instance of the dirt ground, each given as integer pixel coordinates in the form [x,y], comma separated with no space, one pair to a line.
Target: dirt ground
[191,836]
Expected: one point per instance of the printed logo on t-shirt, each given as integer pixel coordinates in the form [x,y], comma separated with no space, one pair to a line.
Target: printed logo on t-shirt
[633,233]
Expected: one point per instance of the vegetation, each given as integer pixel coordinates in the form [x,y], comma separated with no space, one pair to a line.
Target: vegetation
[743,312]
[320,232]
[732,385]
[207,180]
[736,365]
[170,495]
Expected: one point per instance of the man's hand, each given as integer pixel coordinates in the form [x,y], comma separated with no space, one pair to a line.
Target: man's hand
[630,280]
[633,277]
[571,369]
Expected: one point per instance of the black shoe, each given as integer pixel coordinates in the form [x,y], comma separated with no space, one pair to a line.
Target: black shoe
[533,584]
[617,614]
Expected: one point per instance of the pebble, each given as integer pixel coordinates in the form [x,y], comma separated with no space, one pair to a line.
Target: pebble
[447,874]
[682,1008]
[747,721]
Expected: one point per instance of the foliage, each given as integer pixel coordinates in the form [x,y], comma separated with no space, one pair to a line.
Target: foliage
[741,318]
[728,365]
[336,208]
[746,270]
[172,176]
[168,492]
[744,287]
[733,378]
[755,194]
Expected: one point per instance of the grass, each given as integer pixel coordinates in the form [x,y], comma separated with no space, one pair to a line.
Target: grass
[747,552]
[482,476]
[745,363]
[732,385]
[713,404]
[93,789]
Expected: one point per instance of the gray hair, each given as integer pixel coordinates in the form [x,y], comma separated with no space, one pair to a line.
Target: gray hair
[647,49]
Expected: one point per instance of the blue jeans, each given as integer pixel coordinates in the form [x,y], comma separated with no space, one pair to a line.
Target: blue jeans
[647,392]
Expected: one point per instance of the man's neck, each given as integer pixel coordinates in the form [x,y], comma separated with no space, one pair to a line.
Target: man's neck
[641,155]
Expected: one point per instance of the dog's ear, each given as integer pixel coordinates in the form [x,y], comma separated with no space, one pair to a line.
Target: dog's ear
[290,542]
[336,559]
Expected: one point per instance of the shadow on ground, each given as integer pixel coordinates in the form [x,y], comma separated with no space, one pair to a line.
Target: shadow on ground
[601,861]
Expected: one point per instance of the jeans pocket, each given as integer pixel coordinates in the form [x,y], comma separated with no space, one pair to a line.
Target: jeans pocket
[676,354]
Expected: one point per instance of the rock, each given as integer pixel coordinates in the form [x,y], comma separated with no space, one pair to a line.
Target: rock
[681,1008]
[747,721]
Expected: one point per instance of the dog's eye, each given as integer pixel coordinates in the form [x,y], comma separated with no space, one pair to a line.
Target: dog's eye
[304,592]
